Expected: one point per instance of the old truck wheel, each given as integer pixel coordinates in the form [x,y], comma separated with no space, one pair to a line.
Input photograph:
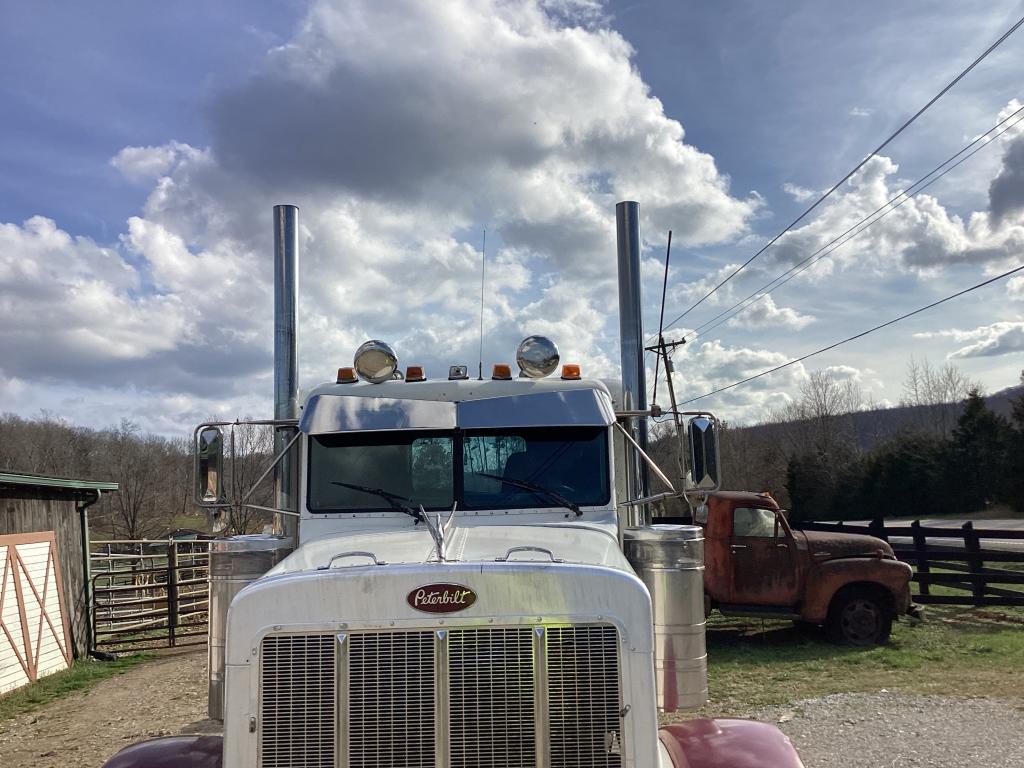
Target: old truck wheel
[858,616]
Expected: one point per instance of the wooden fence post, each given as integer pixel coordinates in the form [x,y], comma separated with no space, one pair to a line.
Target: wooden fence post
[920,546]
[972,545]
[876,528]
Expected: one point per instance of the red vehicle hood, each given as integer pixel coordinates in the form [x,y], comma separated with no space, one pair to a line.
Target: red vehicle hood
[831,546]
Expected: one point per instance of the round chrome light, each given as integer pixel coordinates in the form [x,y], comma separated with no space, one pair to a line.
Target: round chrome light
[375,361]
[537,356]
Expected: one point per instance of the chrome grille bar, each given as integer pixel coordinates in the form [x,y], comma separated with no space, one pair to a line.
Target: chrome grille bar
[297,702]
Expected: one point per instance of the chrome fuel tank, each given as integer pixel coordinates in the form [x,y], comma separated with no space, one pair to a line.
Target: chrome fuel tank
[234,563]
[670,561]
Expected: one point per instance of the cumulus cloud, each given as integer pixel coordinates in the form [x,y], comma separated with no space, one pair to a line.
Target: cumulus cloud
[146,164]
[918,235]
[1002,338]
[547,122]
[399,129]
[1006,193]
[707,366]
[1015,288]
[765,314]
[798,193]
[71,307]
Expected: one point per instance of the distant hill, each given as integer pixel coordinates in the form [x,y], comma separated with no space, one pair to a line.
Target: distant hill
[877,425]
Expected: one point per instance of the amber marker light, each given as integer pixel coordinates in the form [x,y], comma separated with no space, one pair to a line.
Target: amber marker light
[347,376]
[570,371]
[501,372]
[415,373]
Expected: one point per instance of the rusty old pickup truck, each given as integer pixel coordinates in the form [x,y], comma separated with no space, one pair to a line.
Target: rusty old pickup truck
[757,565]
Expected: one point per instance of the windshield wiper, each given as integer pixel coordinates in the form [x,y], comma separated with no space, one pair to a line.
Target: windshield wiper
[527,486]
[393,499]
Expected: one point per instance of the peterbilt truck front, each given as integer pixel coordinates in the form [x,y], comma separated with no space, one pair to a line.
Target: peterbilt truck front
[459,593]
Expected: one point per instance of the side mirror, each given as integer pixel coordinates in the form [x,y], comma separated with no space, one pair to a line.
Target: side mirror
[703,442]
[209,467]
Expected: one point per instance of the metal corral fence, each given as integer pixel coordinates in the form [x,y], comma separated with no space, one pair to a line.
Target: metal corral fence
[965,565]
[149,593]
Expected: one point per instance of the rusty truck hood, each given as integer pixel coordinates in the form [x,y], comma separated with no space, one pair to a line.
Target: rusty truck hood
[831,546]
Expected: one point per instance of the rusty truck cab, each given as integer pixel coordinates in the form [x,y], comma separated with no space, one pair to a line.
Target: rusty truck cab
[757,565]
[750,553]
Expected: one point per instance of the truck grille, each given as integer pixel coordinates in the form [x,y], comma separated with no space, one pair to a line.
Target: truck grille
[390,700]
[489,697]
[297,701]
[491,677]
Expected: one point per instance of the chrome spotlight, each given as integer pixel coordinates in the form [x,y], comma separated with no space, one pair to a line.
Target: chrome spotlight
[375,361]
[537,356]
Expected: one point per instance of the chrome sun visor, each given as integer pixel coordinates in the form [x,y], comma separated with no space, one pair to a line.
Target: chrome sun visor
[325,414]
[564,408]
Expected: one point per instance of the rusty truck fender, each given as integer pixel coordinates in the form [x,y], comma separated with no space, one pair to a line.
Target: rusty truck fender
[171,752]
[725,743]
[827,578]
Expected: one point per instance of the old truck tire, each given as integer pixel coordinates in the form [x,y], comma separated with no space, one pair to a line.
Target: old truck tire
[859,616]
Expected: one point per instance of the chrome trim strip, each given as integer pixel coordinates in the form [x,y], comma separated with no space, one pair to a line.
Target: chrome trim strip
[543,721]
[341,697]
[442,699]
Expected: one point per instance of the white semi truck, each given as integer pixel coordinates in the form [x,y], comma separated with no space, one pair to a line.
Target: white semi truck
[462,574]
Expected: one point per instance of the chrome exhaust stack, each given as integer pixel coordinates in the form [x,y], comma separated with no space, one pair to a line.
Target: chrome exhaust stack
[237,561]
[668,558]
[286,372]
[631,342]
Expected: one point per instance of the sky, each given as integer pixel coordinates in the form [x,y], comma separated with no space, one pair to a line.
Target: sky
[142,151]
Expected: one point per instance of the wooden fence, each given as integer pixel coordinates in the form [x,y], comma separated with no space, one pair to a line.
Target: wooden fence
[952,566]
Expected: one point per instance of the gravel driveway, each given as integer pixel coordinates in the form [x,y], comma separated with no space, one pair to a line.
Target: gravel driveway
[858,730]
[881,730]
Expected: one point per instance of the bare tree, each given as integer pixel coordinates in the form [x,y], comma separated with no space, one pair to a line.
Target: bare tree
[819,421]
[253,452]
[935,394]
[137,463]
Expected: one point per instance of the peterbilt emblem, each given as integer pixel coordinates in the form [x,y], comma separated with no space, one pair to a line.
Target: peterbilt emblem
[441,598]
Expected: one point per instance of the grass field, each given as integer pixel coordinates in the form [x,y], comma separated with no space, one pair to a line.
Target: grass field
[954,651]
[81,675]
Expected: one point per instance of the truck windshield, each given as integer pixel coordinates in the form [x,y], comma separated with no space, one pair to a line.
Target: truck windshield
[571,462]
[492,469]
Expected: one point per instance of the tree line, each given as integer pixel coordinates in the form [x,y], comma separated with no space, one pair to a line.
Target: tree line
[832,455]
[153,473]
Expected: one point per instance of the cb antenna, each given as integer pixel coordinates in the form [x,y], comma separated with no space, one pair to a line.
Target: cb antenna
[483,270]
[664,350]
[661,325]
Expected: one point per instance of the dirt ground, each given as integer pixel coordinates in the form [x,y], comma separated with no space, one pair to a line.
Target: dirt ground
[162,697]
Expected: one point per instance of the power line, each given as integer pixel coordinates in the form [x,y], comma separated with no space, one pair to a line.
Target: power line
[861,226]
[860,335]
[856,168]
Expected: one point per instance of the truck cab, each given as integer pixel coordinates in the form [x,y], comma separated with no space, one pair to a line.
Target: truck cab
[459,596]
[757,565]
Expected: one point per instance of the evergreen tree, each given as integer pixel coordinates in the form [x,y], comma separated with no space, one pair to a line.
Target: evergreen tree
[979,456]
[907,476]
[1015,457]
